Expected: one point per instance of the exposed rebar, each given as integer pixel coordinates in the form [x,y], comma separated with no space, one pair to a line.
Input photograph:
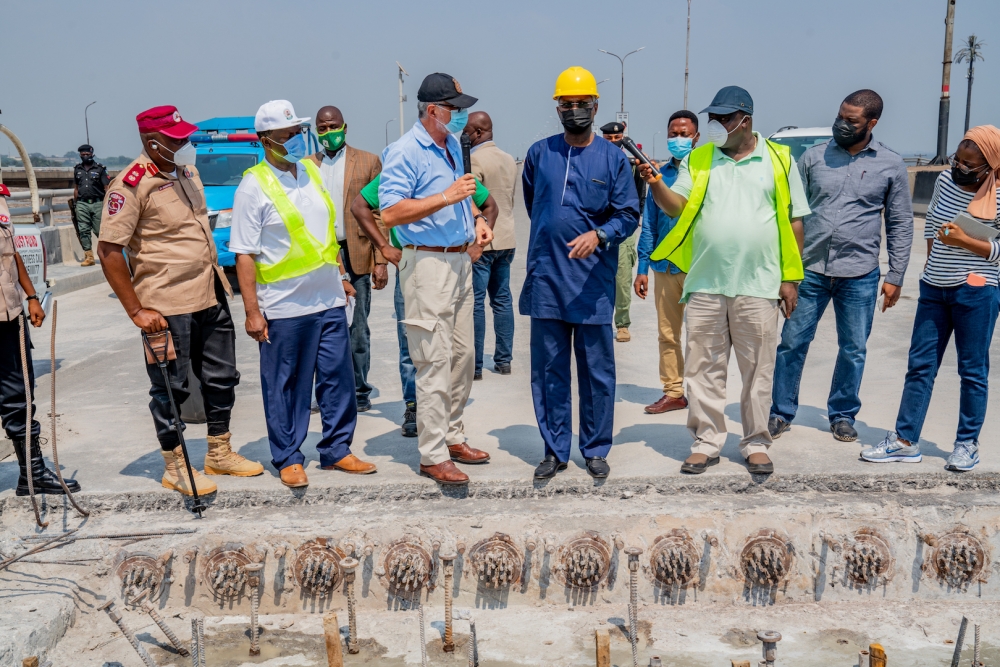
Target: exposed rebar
[975,650]
[254,582]
[52,415]
[473,651]
[116,616]
[28,421]
[633,604]
[150,609]
[349,565]
[423,639]
[41,547]
[957,655]
[201,641]
[119,536]
[195,646]
[449,572]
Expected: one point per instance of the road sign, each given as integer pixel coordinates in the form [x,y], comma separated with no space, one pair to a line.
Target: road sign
[622,117]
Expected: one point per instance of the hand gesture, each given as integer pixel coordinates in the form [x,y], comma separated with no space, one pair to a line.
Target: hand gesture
[951,234]
[464,187]
[646,172]
[583,246]
[484,235]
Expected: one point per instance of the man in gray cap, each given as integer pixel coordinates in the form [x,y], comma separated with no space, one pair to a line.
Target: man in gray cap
[740,203]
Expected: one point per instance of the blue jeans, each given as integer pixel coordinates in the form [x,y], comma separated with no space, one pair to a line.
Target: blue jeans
[854,307]
[407,371]
[491,274]
[971,313]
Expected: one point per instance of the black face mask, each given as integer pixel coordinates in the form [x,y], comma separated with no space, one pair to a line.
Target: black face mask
[88,160]
[845,135]
[617,143]
[960,177]
[576,121]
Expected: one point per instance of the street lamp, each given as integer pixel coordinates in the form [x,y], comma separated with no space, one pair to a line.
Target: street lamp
[621,59]
[86,123]
[387,130]
[687,56]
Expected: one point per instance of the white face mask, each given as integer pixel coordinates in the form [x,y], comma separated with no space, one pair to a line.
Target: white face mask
[716,133]
[185,155]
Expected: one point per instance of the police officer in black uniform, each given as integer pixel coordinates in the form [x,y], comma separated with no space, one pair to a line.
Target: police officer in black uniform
[90,180]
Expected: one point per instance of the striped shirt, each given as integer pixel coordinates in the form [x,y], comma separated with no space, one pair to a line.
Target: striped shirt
[949,266]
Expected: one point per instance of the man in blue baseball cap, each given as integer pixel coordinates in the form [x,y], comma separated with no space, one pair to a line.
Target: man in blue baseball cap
[740,203]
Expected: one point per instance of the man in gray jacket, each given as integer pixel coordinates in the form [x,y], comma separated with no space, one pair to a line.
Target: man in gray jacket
[850,181]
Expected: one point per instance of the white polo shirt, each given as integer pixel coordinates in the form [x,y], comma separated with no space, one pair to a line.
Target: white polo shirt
[257,229]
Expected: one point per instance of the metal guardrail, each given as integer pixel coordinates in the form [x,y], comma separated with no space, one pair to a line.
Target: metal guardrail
[45,206]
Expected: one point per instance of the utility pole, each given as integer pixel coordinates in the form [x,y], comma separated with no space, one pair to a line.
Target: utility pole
[972,52]
[402,97]
[945,107]
[86,122]
[621,59]
[687,56]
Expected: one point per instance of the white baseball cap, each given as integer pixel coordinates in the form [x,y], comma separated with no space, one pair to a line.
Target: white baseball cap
[276,115]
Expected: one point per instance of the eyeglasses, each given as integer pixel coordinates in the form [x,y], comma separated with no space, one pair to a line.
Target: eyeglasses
[566,106]
[953,161]
[448,107]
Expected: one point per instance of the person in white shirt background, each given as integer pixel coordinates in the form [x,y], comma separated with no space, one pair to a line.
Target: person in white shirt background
[293,289]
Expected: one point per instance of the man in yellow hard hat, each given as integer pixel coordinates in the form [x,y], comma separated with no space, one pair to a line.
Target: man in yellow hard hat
[582,203]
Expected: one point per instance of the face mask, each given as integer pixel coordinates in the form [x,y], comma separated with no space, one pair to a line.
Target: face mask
[295,149]
[618,143]
[961,177]
[576,121]
[88,160]
[185,155]
[333,140]
[846,135]
[458,121]
[717,134]
[679,147]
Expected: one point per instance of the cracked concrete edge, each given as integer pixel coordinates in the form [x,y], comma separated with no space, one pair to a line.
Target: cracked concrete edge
[26,632]
[716,485]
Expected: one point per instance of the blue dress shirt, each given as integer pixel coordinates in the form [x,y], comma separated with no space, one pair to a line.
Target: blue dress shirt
[655,226]
[414,168]
[569,191]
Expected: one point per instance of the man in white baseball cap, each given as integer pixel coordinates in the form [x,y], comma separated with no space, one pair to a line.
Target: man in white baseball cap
[294,291]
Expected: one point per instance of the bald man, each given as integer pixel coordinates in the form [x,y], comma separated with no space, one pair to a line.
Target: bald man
[345,171]
[491,273]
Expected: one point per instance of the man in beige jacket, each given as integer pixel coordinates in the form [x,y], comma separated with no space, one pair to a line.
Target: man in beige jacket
[491,273]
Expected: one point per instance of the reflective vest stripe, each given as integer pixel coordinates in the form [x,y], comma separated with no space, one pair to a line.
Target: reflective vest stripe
[678,246]
[306,253]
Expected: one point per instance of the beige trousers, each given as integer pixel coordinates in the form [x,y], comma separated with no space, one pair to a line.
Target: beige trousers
[437,292]
[667,291]
[716,324]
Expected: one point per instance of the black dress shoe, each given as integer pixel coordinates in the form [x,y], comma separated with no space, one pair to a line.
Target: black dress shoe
[364,404]
[698,468]
[776,426]
[843,431]
[410,421]
[760,468]
[478,375]
[549,466]
[598,467]
[502,369]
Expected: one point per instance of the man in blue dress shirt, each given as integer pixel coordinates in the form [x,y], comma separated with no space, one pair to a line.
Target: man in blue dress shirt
[582,203]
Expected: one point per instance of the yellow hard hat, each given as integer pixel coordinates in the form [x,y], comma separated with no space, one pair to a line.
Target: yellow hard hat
[575,81]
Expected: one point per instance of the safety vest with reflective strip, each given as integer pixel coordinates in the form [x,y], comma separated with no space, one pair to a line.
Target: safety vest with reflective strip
[306,253]
[678,245]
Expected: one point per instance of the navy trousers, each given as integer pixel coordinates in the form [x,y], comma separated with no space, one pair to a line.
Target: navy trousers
[551,344]
[315,345]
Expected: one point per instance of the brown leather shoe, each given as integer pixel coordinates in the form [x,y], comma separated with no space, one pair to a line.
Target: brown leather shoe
[294,476]
[353,465]
[666,404]
[446,473]
[465,454]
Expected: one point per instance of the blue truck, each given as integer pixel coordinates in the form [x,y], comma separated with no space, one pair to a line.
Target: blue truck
[227,146]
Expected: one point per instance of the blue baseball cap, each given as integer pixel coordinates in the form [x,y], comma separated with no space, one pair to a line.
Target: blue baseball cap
[729,100]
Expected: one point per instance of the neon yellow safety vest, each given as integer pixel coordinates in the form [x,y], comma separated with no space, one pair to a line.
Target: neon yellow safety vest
[306,254]
[678,245]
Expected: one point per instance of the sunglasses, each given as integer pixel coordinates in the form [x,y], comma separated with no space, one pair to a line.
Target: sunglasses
[566,106]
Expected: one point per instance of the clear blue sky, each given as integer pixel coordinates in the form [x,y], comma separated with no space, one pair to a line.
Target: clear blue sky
[798,59]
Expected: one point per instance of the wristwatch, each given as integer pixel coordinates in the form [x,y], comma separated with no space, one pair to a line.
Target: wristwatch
[480,215]
[33,297]
[345,278]
[601,236]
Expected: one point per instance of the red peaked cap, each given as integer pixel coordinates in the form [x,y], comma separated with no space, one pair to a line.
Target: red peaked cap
[166,120]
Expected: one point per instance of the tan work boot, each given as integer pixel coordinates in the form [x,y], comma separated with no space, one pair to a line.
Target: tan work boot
[175,475]
[623,335]
[88,258]
[222,460]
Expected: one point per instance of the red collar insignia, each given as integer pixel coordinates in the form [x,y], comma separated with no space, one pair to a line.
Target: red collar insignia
[152,169]
[134,175]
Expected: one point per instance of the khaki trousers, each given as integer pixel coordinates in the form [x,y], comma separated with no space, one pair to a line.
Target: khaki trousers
[667,291]
[438,298]
[716,324]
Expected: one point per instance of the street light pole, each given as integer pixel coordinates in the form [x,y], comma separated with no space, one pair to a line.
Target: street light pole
[387,130]
[687,56]
[945,104]
[86,122]
[621,59]
[972,52]
[402,97]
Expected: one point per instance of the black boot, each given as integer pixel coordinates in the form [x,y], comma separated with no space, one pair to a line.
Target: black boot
[45,481]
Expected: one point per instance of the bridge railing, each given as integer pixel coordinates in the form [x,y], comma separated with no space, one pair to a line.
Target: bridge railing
[45,205]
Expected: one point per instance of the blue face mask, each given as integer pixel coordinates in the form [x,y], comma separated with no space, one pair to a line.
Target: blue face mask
[458,121]
[679,147]
[295,149]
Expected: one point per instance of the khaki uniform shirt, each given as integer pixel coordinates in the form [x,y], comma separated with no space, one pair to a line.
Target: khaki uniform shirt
[162,222]
[498,172]
[10,291]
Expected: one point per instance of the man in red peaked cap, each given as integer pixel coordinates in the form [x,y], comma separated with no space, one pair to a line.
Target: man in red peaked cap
[155,212]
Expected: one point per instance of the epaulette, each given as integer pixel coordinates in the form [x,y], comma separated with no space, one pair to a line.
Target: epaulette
[152,169]
[134,175]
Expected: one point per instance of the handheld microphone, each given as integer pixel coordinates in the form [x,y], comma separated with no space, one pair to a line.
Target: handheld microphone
[467,153]
[630,146]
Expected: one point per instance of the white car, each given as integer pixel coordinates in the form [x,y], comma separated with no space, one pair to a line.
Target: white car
[799,139]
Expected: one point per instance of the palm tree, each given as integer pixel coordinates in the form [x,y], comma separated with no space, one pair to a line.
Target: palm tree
[972,52]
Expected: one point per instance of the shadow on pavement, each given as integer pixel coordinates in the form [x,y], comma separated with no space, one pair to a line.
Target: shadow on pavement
[636,394]
[522,441]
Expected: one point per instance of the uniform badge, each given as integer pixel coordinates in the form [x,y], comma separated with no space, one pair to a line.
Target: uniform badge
[152,169]
[116,201]
[288,114]
[458,88]
[165,186]
[177,116]
[188,173]
[134,175]
[4,219]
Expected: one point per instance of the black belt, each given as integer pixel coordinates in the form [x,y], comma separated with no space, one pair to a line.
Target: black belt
[89,200]
[437,248]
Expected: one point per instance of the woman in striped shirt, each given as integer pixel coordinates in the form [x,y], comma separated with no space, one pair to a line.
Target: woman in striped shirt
[959,294]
